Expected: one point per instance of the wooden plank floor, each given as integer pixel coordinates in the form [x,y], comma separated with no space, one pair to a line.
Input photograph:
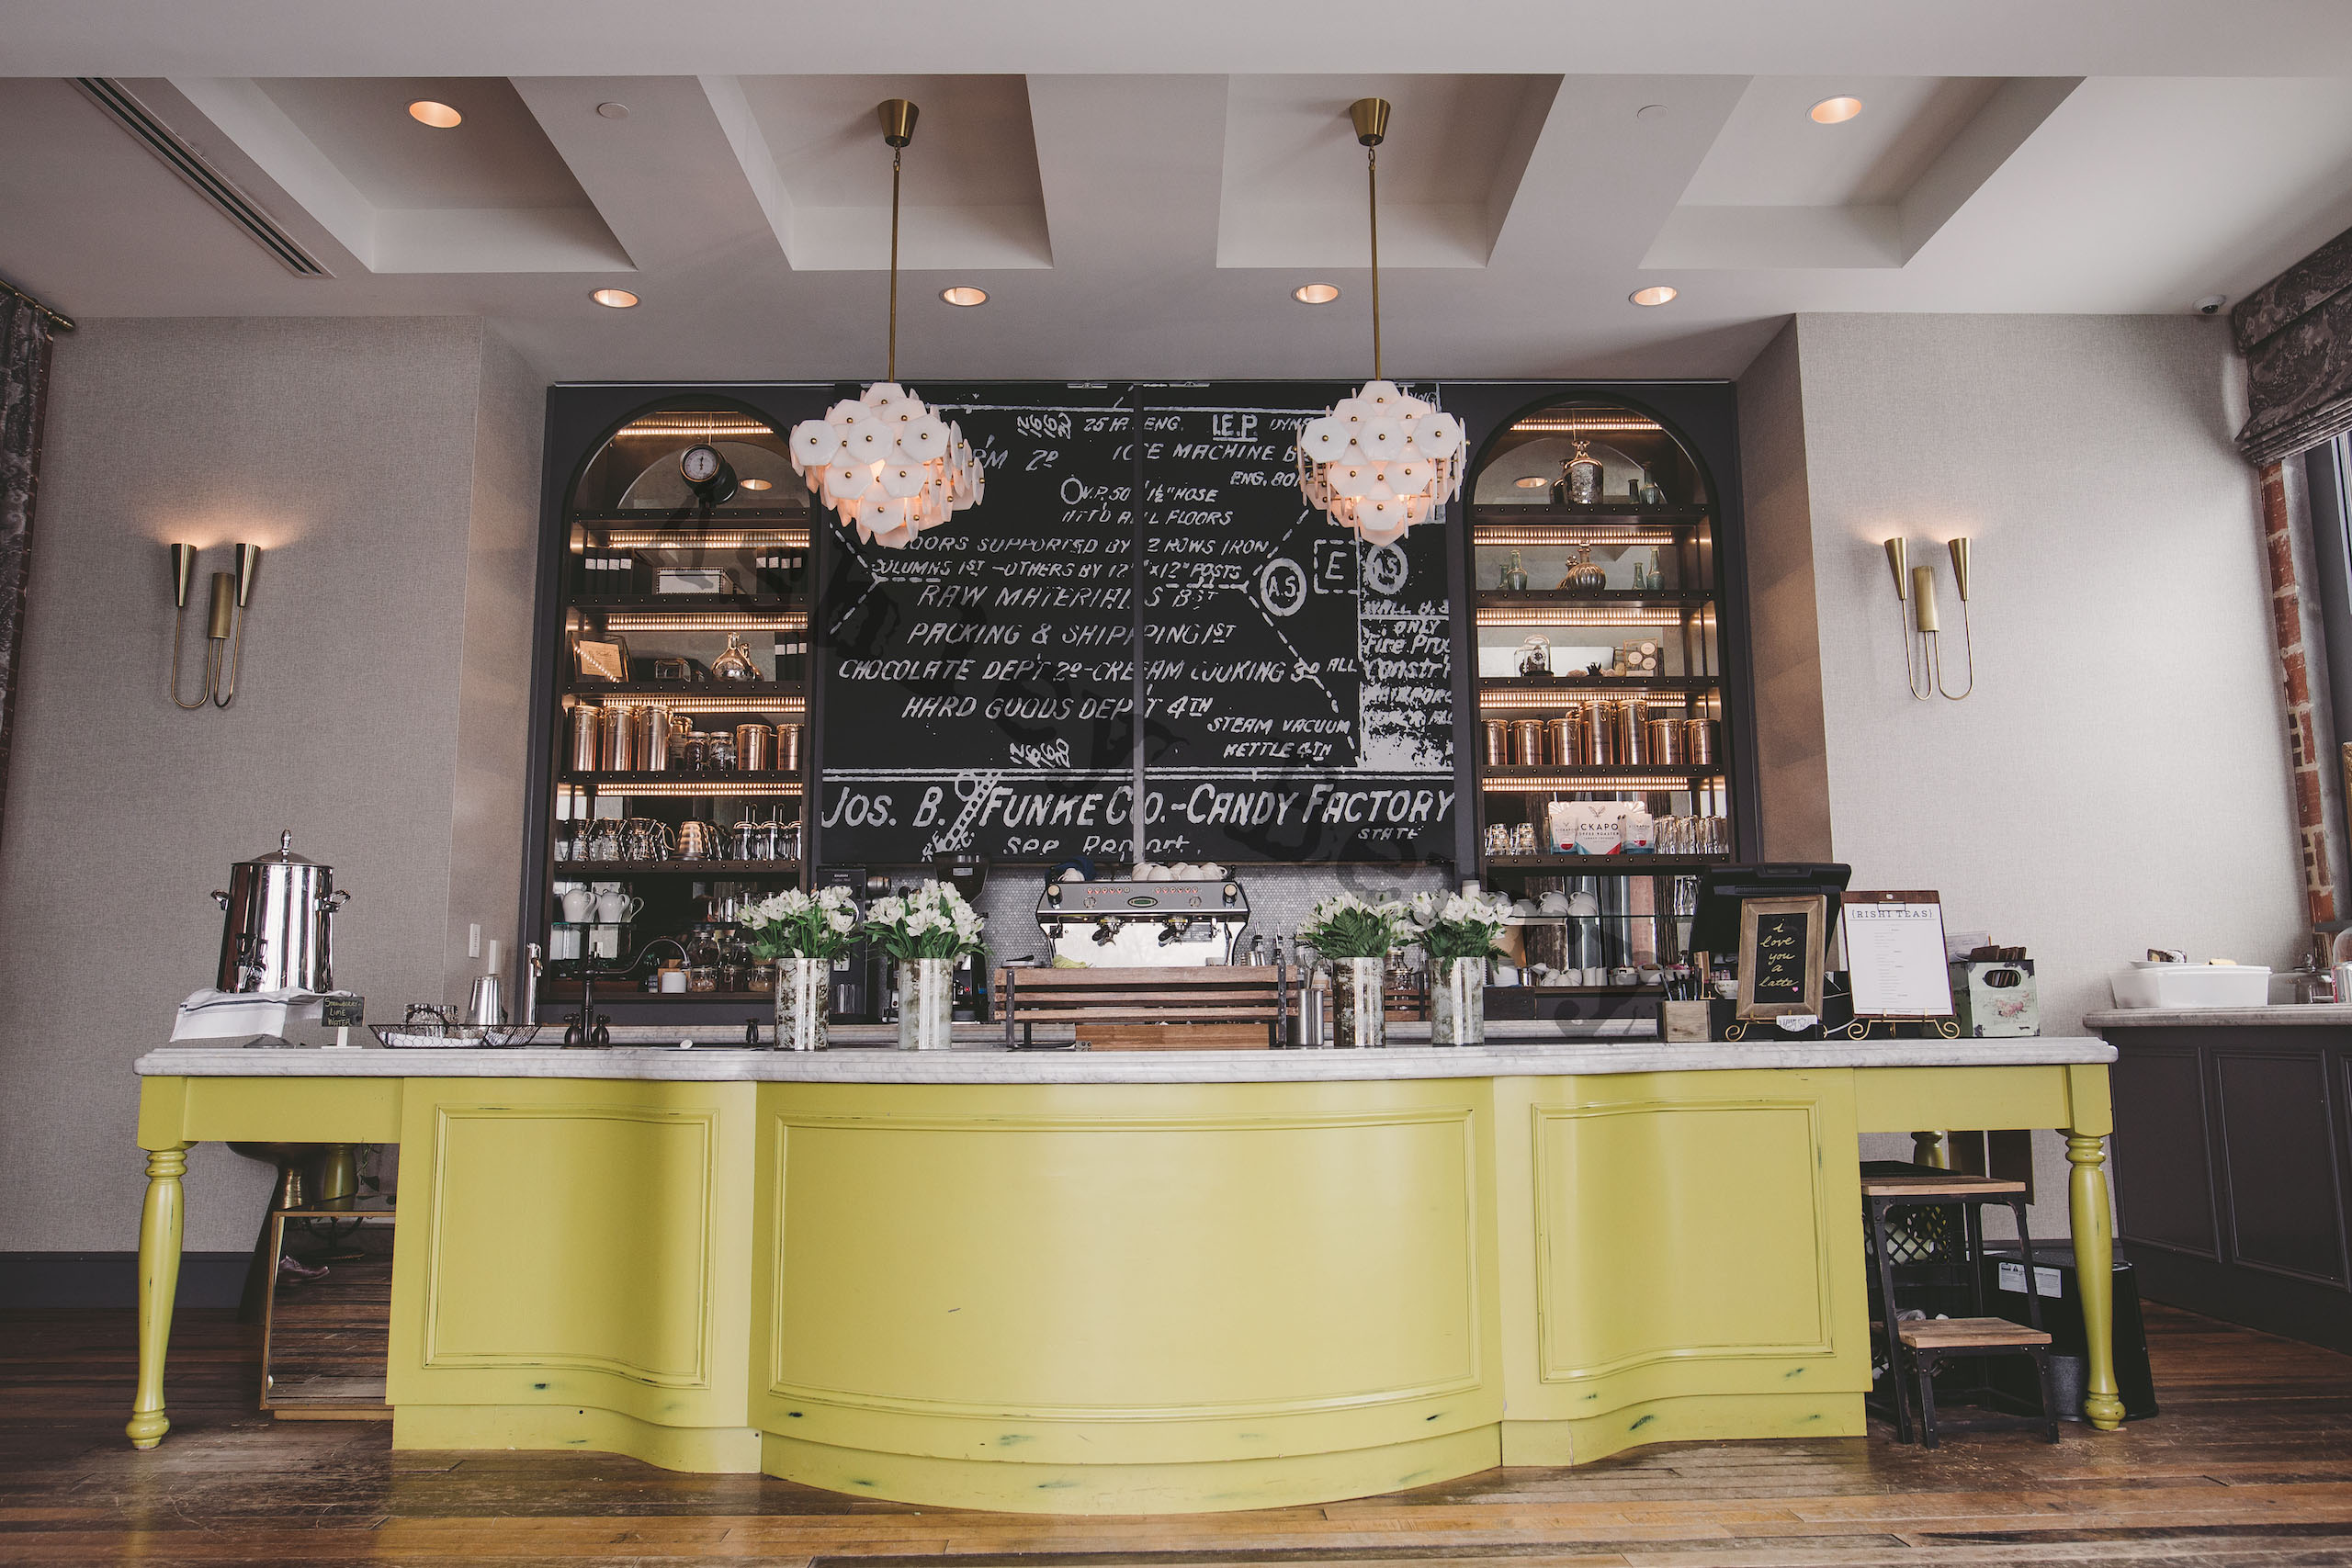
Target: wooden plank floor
[2250,1464]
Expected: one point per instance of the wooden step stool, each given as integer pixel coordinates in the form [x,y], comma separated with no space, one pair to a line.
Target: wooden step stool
[1917,1349]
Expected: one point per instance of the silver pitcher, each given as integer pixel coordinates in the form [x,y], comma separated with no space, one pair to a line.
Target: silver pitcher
[279,912]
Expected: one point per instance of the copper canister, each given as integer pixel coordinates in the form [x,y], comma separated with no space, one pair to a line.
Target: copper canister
[1497,742]
[1527,742]
[787,748]
[649,736]
[1566,740]
[1633,725]
[616,749]
[585,738]
[1601,732]
[754,748]
[1698,739]
[1663,737]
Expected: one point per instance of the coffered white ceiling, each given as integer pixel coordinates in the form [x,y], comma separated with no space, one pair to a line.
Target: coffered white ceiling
[1140,188]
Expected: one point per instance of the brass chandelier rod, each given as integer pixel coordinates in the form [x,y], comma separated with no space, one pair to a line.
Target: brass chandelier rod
[898,129]
[1371,119]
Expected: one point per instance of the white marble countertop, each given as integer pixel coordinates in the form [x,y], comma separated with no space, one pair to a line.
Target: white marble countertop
[2284,1015]
[976,1062]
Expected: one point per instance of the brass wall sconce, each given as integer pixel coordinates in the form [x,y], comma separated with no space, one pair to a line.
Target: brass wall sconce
[224,623]
[1915,595]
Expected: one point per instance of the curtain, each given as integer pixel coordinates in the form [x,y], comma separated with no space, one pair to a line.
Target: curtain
[24,394]
[2296,334]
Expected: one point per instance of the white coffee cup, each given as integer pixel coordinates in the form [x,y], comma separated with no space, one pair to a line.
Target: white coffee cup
[578,905]
[1554,903]
[614,908]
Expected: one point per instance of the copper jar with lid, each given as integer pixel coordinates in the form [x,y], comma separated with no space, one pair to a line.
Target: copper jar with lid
[617,747]
[1568,737]
[1698,739]
[787,748]
[1664,738]
[1497,742]
[1527,742]
[754,748]
[1633,739]
[1602,717]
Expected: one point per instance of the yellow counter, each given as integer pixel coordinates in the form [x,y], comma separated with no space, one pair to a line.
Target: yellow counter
[1119,1296]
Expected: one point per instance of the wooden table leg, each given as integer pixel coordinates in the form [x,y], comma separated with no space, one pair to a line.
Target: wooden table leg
[2094,1276]
[1929,1149]
[159,1279]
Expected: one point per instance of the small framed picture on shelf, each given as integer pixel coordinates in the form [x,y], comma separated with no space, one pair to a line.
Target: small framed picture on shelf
[601,658]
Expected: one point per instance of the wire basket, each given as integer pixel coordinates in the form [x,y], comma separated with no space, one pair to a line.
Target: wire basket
[429,1028]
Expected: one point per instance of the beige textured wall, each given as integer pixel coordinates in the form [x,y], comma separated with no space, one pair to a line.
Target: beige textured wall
[378,461]
[2119,780]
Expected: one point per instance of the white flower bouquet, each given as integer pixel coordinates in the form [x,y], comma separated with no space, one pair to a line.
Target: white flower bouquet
[794,924]
[1346,926]
[934,921]
[1459,925]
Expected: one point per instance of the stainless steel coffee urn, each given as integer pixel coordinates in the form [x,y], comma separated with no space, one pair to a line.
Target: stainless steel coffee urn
[279,911]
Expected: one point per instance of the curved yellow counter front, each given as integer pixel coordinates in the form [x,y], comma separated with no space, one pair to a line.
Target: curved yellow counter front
[1193,1283]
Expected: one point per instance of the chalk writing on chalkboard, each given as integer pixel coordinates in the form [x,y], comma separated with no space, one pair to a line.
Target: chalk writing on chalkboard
[980,685]
[1780,956]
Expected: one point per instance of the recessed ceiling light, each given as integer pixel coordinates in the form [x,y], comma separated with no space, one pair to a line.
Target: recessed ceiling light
[757,484]
[1656,294]
[965,294]
[1835,111]
[1533,481]
[618,298]
[612,111]
[1650,111]
[440,117]
[1316,293]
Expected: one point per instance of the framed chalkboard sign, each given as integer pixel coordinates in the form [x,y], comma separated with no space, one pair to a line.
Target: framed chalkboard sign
[1780,942]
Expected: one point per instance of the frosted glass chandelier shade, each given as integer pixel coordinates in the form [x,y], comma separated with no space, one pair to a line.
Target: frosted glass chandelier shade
[889,466]
[1380,461]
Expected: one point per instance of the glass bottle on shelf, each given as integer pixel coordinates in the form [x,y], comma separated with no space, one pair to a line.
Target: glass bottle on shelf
[702,960]
[1514,576]
[734,960]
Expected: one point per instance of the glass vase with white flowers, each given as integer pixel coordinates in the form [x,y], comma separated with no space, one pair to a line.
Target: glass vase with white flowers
[926,931]
[801,933]
[1456,933]
[1357,934]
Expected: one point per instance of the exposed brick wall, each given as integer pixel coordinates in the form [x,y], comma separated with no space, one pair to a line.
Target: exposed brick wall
[2288,610]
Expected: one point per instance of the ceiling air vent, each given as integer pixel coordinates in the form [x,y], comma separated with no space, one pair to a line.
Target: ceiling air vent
[206,181]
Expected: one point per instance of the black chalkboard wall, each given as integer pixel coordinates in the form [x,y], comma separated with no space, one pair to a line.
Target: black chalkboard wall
[981,688]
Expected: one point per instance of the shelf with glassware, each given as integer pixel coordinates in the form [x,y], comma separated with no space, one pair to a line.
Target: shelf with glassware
[1600,739]
[679,773]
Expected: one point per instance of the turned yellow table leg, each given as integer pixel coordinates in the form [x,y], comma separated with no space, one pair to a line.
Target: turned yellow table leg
[159,1281]
[2095,1276]
[1929,1149]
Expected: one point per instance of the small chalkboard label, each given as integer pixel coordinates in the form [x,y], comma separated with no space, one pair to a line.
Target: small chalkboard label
[343,1012]
[1780,956]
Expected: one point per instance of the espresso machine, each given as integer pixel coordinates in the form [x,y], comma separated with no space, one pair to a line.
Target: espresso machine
[1122,924]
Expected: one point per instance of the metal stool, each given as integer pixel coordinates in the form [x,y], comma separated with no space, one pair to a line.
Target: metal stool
[1926,1241]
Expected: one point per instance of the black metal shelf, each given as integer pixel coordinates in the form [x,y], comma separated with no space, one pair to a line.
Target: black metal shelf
[618,782]
[1615,515]
[707,870]
[723,517]
[1580,683]
[1595,598]
[1601,773]
[752,603]
[752,689]
[1609,865]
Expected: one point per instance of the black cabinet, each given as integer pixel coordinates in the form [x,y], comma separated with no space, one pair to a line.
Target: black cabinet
[2231,1147]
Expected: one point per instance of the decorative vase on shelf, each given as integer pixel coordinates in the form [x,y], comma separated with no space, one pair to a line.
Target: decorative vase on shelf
[1586,575]
[1514,576]
[1580,477]
[1457,1001]
[803,1002]
[1359,1008]
[926,1003]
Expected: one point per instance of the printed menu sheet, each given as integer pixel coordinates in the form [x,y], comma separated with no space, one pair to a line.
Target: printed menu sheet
[1894,953]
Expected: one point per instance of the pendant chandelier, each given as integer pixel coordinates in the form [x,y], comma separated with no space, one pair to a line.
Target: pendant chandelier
[888,465]
[1380,461]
